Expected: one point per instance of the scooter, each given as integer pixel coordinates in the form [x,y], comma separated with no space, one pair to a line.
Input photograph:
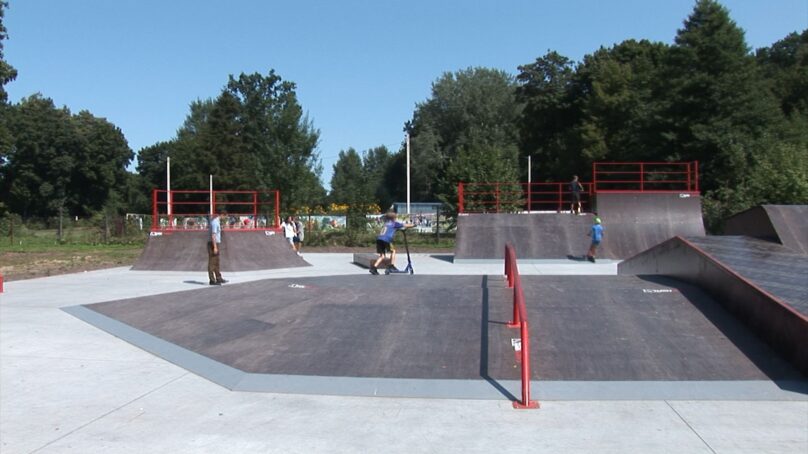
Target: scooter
[408,268]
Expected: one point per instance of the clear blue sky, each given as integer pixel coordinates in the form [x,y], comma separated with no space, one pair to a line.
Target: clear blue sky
[360,66]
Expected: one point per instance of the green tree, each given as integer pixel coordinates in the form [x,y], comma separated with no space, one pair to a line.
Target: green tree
[7,72]
[550,113]
[42,160]
[466,131]
[375,163]
[254,135]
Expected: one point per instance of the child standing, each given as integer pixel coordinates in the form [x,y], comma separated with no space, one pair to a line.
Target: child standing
[597,236]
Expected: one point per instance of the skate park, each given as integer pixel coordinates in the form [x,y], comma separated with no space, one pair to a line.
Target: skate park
[674,337]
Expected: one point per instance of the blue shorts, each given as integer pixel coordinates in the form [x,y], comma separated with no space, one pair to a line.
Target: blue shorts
[595,242]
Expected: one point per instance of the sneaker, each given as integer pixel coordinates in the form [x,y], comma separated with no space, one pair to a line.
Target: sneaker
[590,258]
[299,254]
[392,268]
[223,281]
[374,271]
[215,283]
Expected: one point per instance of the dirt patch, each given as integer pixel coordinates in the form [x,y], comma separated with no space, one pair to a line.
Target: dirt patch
[26,265]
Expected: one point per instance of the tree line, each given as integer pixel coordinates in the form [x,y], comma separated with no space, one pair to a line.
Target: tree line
[706,97]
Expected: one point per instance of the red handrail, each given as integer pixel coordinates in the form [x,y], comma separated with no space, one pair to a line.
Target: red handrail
[519,321]
[195,204]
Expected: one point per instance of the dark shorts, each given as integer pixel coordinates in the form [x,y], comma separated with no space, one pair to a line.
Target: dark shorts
[296,240]
[595,243]
[382,247]
[576,197]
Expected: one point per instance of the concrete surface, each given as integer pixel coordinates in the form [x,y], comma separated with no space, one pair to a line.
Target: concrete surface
[68,387]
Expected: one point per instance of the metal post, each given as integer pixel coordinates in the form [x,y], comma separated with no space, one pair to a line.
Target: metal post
[169,210]
[407,135]
[210,195]
[277,222]
[460,197]
[529,184]
[642,177]
[526,403]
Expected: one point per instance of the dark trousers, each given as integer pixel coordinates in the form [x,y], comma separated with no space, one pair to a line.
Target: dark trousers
[213,263]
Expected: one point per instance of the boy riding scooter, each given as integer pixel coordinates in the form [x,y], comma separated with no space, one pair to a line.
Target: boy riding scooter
[384,239]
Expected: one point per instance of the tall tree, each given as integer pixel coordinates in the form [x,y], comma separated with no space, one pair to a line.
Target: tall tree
[7,72]
[550,113]
[254,135]
[466,131]
[719,108]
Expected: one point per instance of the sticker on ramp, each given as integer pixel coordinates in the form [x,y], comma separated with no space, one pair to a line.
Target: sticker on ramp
[684,196]
[269,232]
[516,344]
[297,286]
[155,233]
[657,290]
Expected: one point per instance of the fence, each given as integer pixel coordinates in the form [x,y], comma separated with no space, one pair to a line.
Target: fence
[628,177]
[645,176]
[498,197]
[519,321]
[189,210]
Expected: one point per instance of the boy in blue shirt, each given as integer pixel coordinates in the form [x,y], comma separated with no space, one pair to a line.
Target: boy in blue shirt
[384,240]
[597,236]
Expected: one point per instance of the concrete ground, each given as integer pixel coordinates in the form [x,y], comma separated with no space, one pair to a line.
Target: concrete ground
[66,386]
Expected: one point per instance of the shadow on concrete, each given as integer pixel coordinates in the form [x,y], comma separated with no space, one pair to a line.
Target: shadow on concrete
[484,322]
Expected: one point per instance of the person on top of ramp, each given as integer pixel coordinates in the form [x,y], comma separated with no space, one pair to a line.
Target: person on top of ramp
[596,232]
[575,190]
[384,239]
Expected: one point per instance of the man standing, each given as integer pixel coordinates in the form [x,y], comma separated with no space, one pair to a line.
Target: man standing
[597,236]
[215,248]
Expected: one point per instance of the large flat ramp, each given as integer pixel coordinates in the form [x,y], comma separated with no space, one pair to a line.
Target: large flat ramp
[762,283]
[634,222]
[241,251]
[536,236]
[785,224]
[602,328]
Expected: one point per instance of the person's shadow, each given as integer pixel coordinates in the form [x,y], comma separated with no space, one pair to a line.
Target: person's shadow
[576,258]
[195,282]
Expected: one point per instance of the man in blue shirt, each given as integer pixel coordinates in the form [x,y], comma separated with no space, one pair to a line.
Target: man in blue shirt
[215,248]
[384,240]
[597,236]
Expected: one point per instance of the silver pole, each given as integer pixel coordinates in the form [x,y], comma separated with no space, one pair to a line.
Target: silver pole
[211,195]
[168,187]
[408,173]
[529,179]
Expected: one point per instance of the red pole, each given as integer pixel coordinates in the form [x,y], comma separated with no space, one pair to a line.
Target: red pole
[594,176]
[496,185]
[526,403]
[642,177]
[154,210]
[460,197]
[275,222]
[697,175]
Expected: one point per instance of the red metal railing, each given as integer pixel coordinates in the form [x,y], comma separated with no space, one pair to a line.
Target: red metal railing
[646,176]
[189,210]
[498,197]
[628,177]
[520,321]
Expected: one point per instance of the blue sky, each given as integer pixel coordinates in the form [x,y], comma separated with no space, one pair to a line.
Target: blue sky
[360,66]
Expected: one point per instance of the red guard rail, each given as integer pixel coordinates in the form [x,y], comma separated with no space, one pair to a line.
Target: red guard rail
[189,210]
[645,176]
[519,321]
[499,197]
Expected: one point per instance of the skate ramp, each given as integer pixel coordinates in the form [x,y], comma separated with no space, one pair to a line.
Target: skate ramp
[241,251]
[634,222]
[482,236]
[762,283]
[440,336]
[785,224]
